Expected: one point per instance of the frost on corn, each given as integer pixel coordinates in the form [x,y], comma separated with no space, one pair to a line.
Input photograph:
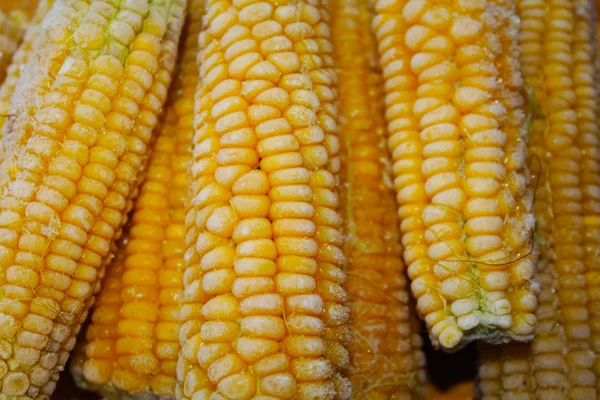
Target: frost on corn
[454,113]
[69,128]
[262,219]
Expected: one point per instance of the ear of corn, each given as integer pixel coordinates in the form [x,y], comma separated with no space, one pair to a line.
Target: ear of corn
[32,34]
[591,221]
[132,341]
[457,145]
[81,121]
[262,207]
[383,363]
[557,41]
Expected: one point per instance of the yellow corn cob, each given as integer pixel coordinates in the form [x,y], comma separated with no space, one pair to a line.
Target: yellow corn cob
[262,194]
[72,155]
[557,41]
[133,338]
[12,27]
[383,363]
[32,34]
[453,118]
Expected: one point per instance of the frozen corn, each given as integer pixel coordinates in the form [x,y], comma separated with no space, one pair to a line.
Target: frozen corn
[456,135]
[263,205]
[81,120]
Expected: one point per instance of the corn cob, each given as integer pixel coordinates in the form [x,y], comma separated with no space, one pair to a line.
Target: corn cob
[133,339]
[253,318]
[12,27]
[382,362]
[591,221]
[100,69]
[557,62]
[459,167]
[32,34]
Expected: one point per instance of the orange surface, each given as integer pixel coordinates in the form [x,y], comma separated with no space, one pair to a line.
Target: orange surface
[463,391]
[7,5]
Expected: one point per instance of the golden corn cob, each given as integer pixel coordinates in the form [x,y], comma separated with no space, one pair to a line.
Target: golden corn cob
[12,27]
[133,339]
[33,33]
[72,154]
[383,363]
[459,164]
[591,219]
[262,193]
[558,64]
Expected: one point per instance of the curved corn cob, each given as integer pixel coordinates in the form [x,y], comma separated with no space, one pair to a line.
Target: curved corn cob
[459,166]
[253,317]
[133,339]
[33,33]
[557,62]
[12,27]
[62,178]
[382,359]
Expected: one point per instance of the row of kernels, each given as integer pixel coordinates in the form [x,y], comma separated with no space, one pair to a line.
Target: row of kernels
[582,361]
[220,312]
[190,376]
[310,116]
[591,178]
[588,140]
[519,188]
[328,235]
[532,32]
[241,179]
[174,247]
[139,313]
[254,284]
[404,144]
[564,181]
[102,334]
[431,41]
[481,124]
